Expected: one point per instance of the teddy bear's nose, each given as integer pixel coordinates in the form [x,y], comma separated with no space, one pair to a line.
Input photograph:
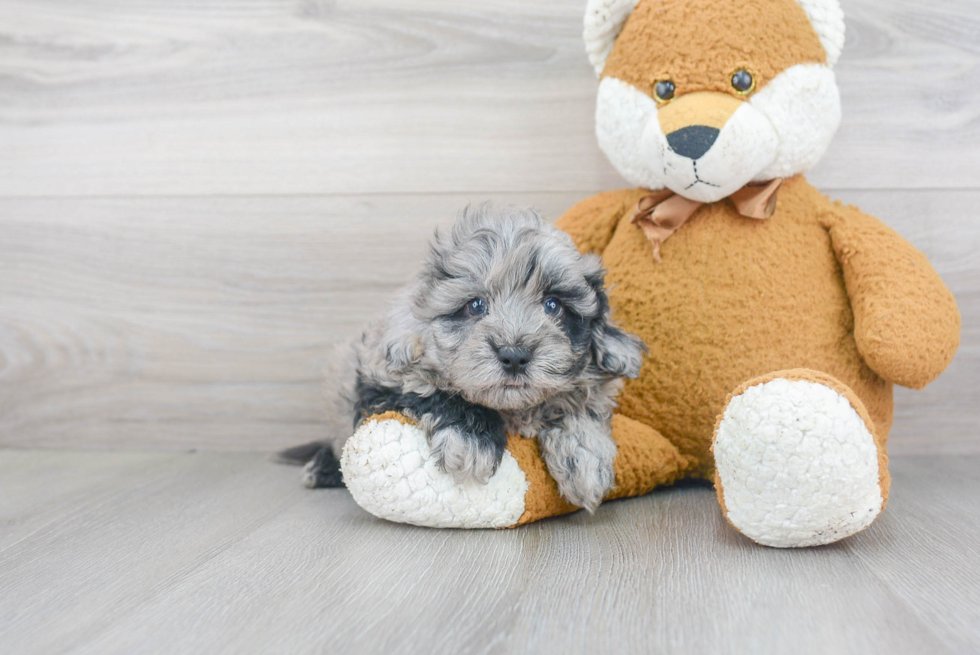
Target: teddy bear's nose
[692,142]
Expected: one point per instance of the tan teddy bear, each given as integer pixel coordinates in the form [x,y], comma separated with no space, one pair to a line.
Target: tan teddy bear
[777,320]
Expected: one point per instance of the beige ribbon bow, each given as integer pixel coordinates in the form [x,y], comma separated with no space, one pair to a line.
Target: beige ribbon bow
[663,213]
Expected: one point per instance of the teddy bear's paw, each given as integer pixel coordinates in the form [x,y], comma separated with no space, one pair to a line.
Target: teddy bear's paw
[391,472]
[797,465]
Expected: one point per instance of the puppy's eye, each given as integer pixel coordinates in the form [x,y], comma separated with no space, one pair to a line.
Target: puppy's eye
[553,307]
[476,307]
[663,90]
[743,82]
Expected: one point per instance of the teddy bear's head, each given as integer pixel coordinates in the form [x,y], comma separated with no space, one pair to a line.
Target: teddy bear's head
[705,96]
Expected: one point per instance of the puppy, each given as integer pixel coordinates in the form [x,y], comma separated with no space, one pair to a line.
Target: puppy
[506,329]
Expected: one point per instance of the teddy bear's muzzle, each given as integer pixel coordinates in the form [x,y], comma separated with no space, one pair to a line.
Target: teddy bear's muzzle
[693,122]
[708,145]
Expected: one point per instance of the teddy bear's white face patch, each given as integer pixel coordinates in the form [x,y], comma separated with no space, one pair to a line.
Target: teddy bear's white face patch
[745,145]
[803,106]
[782,130]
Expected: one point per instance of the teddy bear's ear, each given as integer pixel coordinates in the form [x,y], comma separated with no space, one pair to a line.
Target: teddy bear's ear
[827,18]
[604,19]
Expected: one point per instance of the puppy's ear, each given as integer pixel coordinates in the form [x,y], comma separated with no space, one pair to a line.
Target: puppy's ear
[405,337]
[616,352]
[403,353]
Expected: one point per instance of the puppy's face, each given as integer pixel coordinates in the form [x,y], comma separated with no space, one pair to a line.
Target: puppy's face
[514,314]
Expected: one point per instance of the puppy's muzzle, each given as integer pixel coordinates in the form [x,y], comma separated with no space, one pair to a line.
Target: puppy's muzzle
[514,359]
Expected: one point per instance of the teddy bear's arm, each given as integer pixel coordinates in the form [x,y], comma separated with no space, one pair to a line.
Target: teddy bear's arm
[906,323]
[592,222]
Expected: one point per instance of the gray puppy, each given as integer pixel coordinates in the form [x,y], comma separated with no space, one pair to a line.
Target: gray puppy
[506,329]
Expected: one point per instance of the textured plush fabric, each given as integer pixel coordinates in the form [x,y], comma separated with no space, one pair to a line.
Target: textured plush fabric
[778,128]
[704,41]
[542,499]
[806,375]
[388,470]
[735,298]
[644,461]
[906,324]
[604,19]
[796,461]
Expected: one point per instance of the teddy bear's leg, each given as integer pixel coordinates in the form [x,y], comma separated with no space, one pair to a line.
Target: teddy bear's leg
[388,469]
[644,460]
[797,460]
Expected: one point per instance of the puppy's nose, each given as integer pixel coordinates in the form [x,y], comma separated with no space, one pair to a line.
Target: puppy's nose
[514,359]
[692,142]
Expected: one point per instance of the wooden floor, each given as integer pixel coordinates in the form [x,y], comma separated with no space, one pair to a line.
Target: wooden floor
[226,553]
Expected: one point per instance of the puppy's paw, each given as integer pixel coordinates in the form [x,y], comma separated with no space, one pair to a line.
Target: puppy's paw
[465,455]
[585,479]
[580,459]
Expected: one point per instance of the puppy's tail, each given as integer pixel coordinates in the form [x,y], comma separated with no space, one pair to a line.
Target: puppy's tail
[298,455]
[320,467]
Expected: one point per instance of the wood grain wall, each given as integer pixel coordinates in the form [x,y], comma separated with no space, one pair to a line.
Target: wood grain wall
[195,198]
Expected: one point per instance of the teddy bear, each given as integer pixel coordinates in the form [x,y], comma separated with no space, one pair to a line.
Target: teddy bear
[777,320]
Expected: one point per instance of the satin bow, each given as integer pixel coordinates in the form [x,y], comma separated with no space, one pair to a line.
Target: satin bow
[661,215]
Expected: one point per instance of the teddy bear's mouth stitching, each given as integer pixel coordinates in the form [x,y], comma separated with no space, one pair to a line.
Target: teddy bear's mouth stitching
[698,180]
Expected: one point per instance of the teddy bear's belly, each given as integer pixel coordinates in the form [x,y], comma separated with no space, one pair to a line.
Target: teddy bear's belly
[733,298]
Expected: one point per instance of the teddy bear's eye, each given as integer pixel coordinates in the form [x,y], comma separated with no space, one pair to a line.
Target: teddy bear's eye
[743,82]
[663,90]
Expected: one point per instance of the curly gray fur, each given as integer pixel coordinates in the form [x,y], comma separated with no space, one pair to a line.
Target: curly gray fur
[430,350]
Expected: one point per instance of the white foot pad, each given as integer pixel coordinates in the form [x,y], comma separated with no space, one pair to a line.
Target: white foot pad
[388,470]
[798,466]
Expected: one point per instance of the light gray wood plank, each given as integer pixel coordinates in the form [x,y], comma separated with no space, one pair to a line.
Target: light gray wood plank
[203,322]
[37,490]
[927,543]
[196,322]
[88,568]
[666,573]
[110,98]
[226,553]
